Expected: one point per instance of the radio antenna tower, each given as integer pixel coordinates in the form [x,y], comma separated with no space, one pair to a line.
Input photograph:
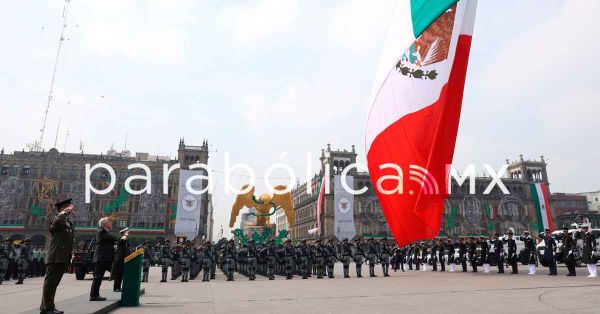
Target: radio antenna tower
[37,146]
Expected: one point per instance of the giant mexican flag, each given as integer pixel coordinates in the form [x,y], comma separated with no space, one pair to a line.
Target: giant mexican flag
[415,110]
[539,193]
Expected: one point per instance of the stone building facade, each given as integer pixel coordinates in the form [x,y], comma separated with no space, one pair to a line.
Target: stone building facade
[31,182]
[464,213]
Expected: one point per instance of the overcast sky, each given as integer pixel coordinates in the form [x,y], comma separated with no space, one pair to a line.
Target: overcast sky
[265,77]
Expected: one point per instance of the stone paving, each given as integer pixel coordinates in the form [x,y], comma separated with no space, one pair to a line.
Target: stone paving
[412,291]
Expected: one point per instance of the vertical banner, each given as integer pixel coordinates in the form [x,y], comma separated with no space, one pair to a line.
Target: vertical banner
[343,203]
[188,206]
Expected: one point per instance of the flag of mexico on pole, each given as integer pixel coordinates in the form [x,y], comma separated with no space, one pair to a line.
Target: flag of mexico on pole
[541,201]
[415,112]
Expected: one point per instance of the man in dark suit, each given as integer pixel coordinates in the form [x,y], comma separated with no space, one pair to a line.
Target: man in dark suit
[103,257]
[120,254]
[58,256]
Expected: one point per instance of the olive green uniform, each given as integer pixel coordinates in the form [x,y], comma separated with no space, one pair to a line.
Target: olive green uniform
[57,258]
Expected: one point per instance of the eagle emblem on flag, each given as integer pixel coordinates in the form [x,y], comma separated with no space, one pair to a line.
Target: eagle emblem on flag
[430,48]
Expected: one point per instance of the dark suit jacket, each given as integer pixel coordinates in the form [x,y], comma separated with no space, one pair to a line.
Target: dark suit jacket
[105,243]
[61,240]
[122,248]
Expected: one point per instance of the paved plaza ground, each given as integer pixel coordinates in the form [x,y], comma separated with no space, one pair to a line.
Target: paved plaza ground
[412,291]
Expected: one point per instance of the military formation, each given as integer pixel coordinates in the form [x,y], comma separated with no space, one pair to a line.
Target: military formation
[20,260]
[186,261]
[318,258]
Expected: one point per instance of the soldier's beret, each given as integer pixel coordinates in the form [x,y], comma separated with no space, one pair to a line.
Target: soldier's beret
[231,240]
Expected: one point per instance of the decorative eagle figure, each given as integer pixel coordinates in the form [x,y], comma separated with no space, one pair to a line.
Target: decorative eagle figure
[265,205]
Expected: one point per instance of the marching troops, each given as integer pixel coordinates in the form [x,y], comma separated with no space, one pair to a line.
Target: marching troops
[306,258]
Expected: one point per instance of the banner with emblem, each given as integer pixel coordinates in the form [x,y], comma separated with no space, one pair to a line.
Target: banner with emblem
[188,206]
[343,207]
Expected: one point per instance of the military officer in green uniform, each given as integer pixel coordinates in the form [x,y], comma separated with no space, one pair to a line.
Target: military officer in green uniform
[58,255]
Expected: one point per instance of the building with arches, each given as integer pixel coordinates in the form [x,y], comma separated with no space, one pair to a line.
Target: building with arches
[31,182]
[464,213]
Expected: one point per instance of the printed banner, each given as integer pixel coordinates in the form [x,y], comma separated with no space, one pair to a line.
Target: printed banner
[343,203]
[188,206]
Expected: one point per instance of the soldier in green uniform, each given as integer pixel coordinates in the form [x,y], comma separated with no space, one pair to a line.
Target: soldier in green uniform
[58,256]
[23,261]
[207,260]
[319,257]
[271,259]
[386,253]
[289,254]
[146,261]
[303,257]
[6,250]
[251,259]
[372,256]
[330,257]
[359,256]
[185,259]
[165,258]
[345,251]
[229,257]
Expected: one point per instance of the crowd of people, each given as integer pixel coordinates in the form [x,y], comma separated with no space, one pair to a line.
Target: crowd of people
[20,260]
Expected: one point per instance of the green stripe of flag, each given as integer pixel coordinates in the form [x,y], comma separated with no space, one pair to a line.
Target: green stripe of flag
[424,12]
[538,208]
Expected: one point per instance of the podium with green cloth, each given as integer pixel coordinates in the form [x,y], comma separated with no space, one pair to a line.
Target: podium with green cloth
[132,277]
